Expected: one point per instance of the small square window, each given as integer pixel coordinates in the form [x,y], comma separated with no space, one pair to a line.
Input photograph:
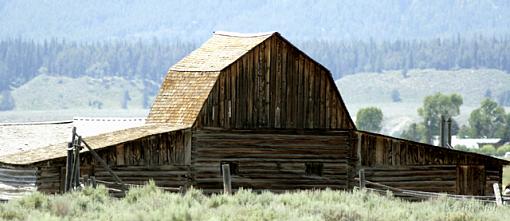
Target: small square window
[314,169]
[234,167]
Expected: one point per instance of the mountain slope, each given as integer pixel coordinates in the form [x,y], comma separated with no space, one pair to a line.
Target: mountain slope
[375,90]
[55,93]
[299,20]
[472,84]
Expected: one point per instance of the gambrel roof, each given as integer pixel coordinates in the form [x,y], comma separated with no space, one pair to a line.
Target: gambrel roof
[186,87]
[189,83]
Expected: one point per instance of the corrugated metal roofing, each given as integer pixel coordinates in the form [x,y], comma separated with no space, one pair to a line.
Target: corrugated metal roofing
[96,142]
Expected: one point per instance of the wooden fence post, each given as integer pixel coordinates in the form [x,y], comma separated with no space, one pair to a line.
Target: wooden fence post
[361,178]
[77,148]
[93,181]
[70,162]
[227,182]
[69,165]
[497,194]
[105,165]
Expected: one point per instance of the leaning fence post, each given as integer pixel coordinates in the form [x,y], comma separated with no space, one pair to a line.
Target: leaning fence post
[361,178]
[105,165]
[227,182]
[497,194]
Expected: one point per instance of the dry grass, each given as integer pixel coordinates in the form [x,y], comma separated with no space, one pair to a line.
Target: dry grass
[148,203]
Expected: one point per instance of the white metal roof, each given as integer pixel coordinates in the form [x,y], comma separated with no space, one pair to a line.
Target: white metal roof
[18,137]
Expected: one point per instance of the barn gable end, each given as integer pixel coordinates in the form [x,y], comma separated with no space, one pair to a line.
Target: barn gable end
[250,81]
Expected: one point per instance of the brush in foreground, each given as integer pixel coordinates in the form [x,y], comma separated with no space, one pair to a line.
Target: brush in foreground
[150,203]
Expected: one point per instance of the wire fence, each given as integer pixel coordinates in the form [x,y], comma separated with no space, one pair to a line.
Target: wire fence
[422,195]
[111,186]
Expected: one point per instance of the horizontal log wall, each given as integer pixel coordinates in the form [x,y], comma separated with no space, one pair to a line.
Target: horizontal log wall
[492,176]
[382,153]
[430,178]
[51,176]
[275,86]
[16,181]
[273,160]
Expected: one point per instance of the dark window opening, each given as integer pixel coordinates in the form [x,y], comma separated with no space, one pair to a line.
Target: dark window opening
[314,169]
[234,168]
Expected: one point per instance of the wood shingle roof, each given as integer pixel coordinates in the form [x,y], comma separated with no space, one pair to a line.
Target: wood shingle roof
[189,82]
[220,51]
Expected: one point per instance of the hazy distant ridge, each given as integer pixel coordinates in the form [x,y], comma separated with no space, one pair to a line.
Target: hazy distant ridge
[297,19]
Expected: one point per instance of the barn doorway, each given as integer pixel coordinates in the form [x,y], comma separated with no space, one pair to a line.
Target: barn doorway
[471,180]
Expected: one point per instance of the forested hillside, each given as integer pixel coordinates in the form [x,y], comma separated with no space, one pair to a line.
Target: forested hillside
[139,40]
[22,60]
[296,19]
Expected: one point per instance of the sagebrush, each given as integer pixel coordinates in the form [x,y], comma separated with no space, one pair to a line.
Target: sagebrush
[150,203]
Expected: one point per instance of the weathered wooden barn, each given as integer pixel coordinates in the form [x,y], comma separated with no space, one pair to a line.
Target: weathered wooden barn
[260,104]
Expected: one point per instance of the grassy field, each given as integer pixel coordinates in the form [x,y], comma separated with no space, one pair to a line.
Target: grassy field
[375,89]
[46,92]
[148,203]
[472,84]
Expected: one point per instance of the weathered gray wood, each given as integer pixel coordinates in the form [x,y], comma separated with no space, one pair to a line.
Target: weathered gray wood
[104,164]
[77,148]
[497,194]
[70,161]
[273,160]
[69,166]
[279,87]
[361,177]
[227,181]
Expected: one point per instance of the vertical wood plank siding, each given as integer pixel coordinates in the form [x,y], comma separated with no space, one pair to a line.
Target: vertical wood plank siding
[274,86]
[269,160]
[164,158]
[416,166]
